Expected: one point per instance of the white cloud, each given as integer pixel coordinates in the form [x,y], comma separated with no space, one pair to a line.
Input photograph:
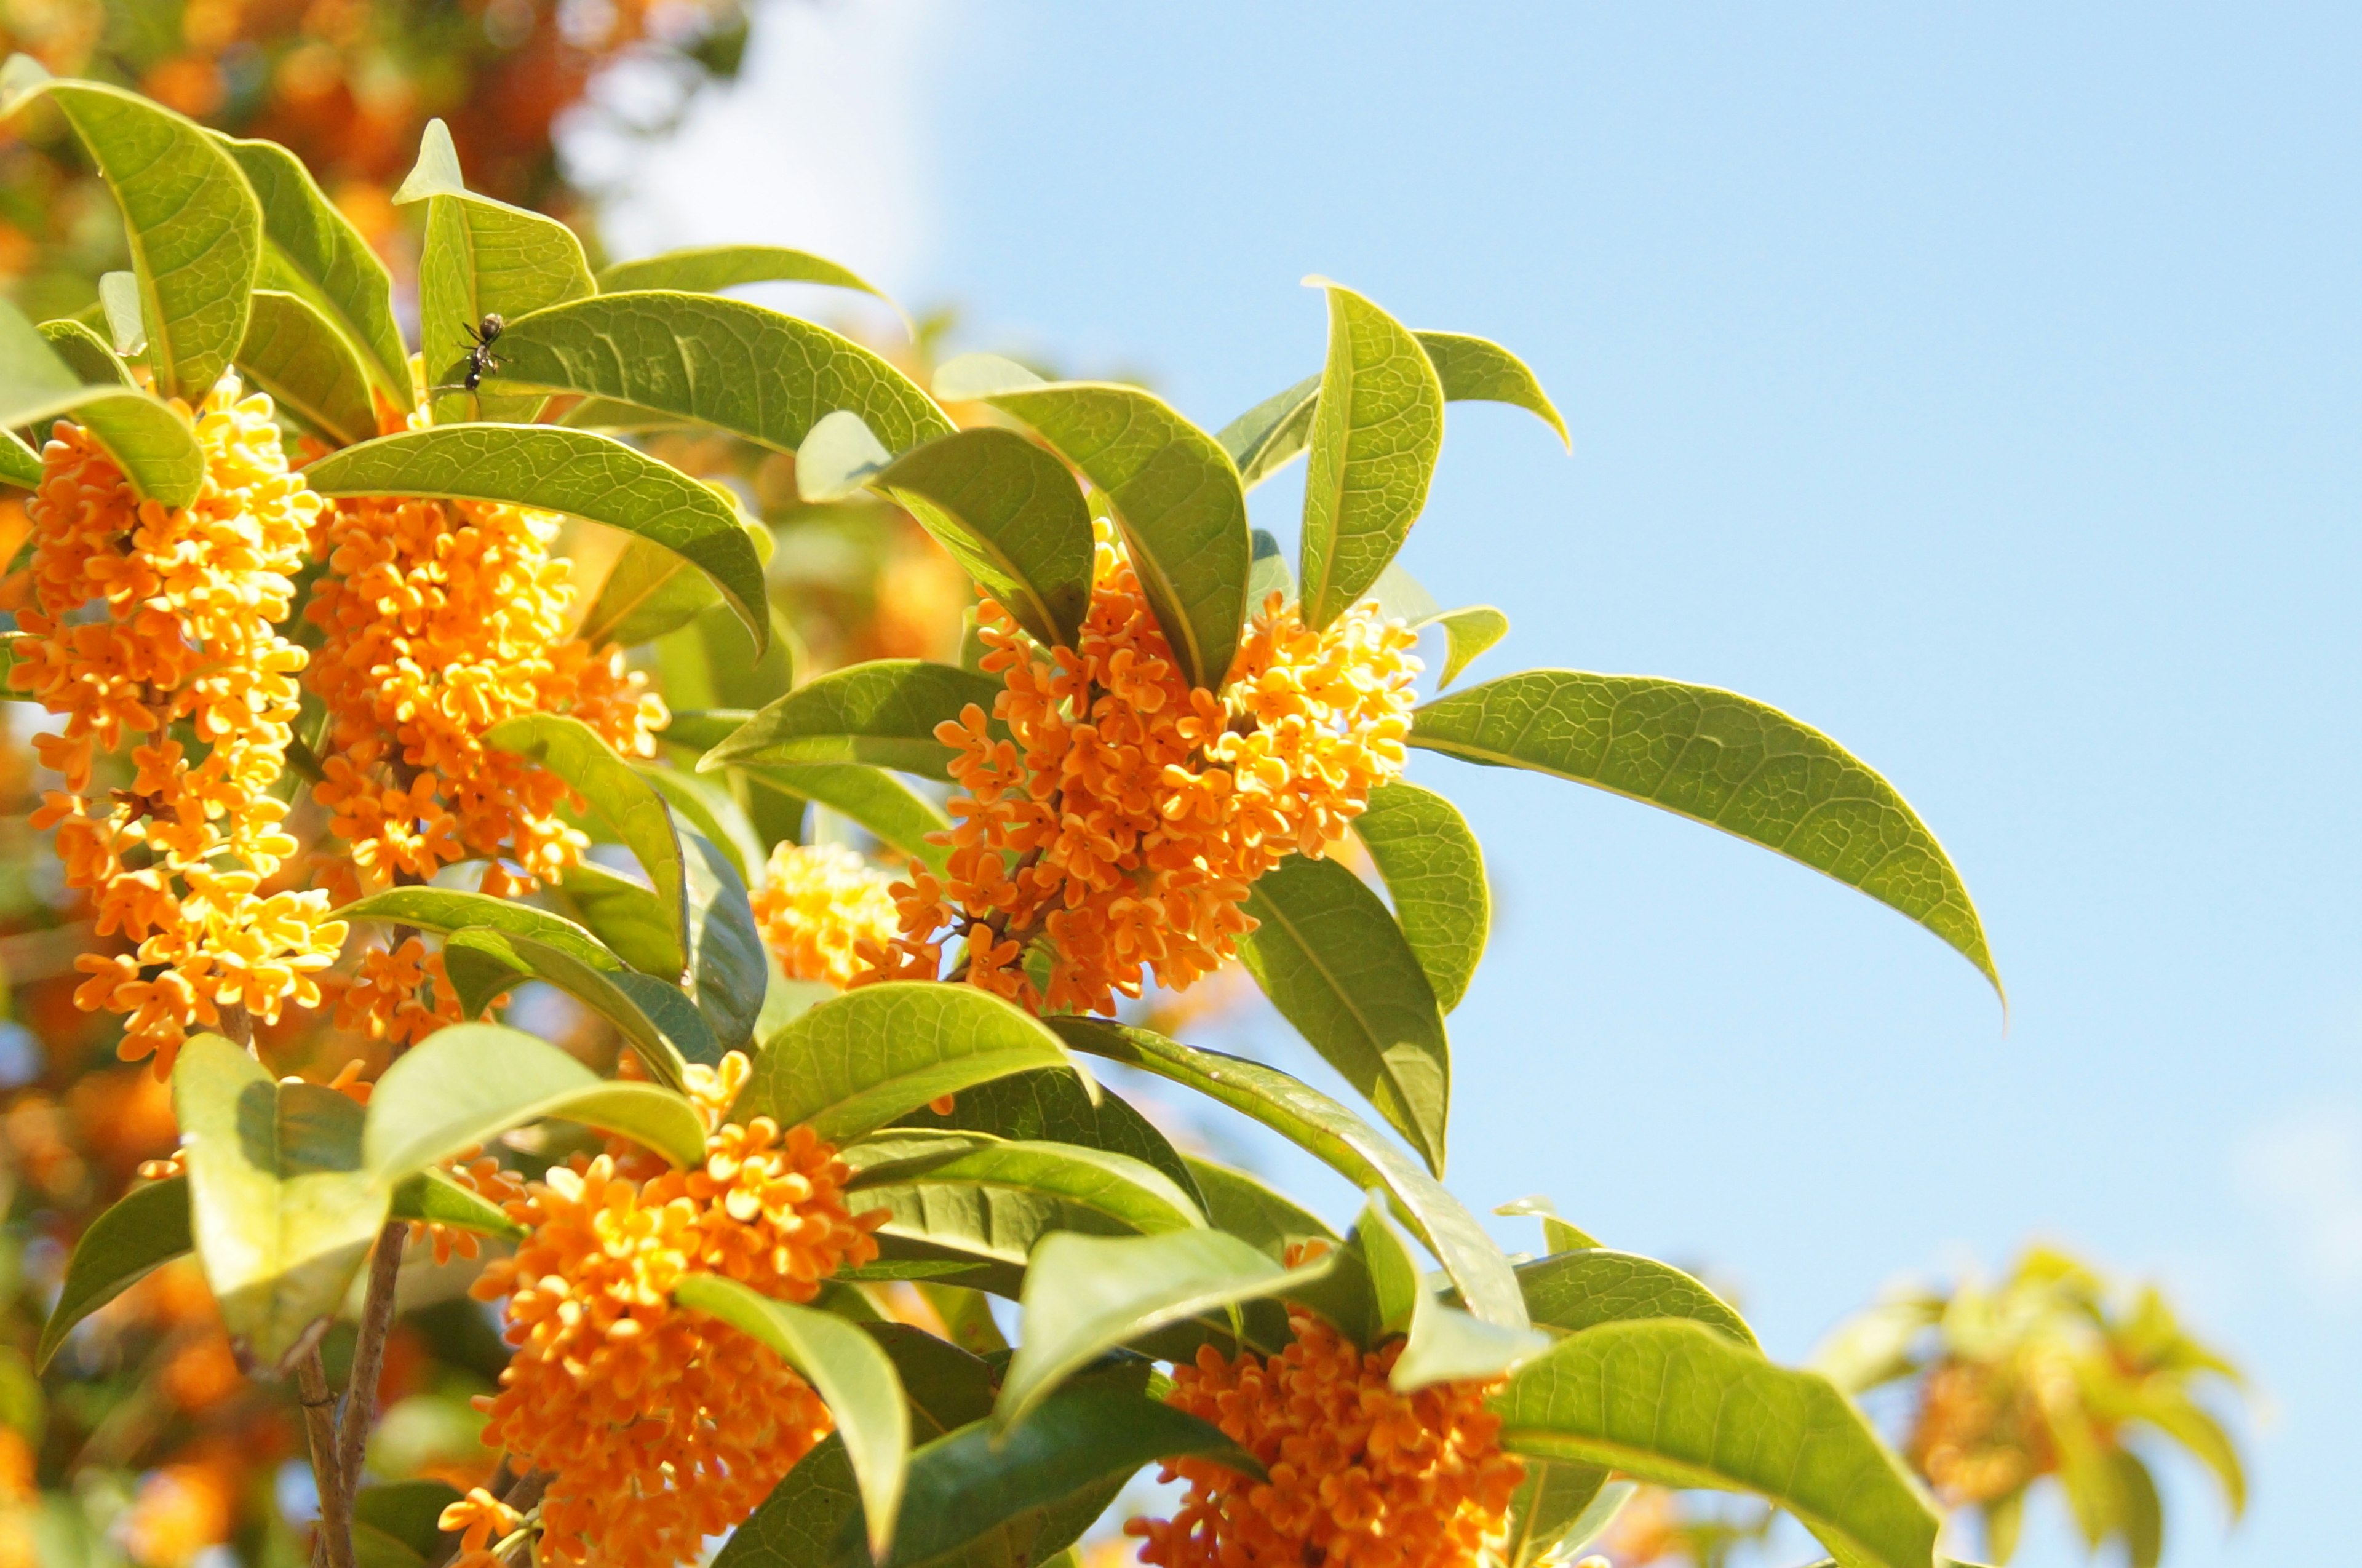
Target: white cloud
[2303,1171]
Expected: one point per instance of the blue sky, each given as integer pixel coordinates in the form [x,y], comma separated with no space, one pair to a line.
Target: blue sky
[1979,387]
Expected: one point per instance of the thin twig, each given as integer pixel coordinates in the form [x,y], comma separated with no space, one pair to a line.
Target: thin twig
[369,1350]
[237,1023]
[320,1428]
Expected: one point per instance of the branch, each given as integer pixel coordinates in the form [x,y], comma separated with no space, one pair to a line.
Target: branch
[320,1428]
[369,1350]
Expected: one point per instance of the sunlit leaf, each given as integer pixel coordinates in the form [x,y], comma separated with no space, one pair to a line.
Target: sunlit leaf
[1573,1291]
[1268,572]
[155,447]
[618,795]
[293,352]
[650,590]
[1725,760]
[1253,1211]
[1262,440]
[1012,515]
[118,303]
[1052,1106]
[1434,871]
[992,1202]
[701,804]
[1333,960]
[90,357]
[1551,1511]
[1467,631]
[966,378]
[709,269]
[903,819]
[148,1226]
[432,1196]
[19,464]
[1377,432]
[840,455]
[729,968]
[883,712]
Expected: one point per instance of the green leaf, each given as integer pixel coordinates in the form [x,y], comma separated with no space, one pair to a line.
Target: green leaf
[313,251]
[651,591]
[840,455]
[293,352]
[2142,1522]
[1552,1512]
[149,1225]
[1087,1295]
[618,795]
[1178,500]
[465,1085]
[944,1387]
[1467,633]
[850,1371]
[19,464]
[481,257]
[193,226]
[992,1202]
[1269,572]
[1722,759]
[119,302]
[1332,1134]
[719,363]
[709,269]
[406,1510]
[281,1206]
[966,378]
[901,818]
[1377,432]
[1257,1213]
[1578,1290]
[1434,870]
[89,356]
[1333,960]
[1052,1106]
[805,1520]
[1475,370]
[627,915]
[373,1548]
[883,712]
[729,968]
[595,478]
[510,943]
[1444,1345]
[856,1062]
[704,806]
[433,1198]
[1012,515]
[154,445]
[1683,1405]
[1262,440]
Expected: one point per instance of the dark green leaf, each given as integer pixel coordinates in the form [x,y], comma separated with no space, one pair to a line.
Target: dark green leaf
[705,806]
[1376,432]
[883,712]
[149,1225]
[900,817]
[1725,760]
[293,352]
[1178,500]
[729,970]
[406,1510]
[1573,1291]
[1434,872]
[1052,1106]
[1012,515]
[944,1385]
[152,443]
[1333,960]
[806,1520]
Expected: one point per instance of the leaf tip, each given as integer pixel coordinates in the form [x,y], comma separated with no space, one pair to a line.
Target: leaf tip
[436,172]
[20,79]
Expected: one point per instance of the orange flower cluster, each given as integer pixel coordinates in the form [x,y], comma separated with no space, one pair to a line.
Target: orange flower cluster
[659,1429]
[1125,821]
[478,1519]
[817,905]
[1361,1476]
[186,664]
[1981,1434]
[443,619]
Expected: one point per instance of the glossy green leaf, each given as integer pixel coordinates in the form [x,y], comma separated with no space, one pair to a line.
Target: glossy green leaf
[1052,1106]
[595,478]
[311,251]
[1473,369]
[481,257]
[625,914]
[650,591]
[1107,1193]
[729,970]
[1332,1134]
[148,1226]
[154,445]
[709,269]
[1467,631]
[1377,432]
[431,1196]
[1722,759]
[900,817]
[944,1387]
[1087,1295]
[858,1061]
[1578,1290]
[703,805]
[850,1371]
[719,363]
[193,226]
[618,794]
[1012,515]
[293,352]
[1265,437]
[1434,871]
[282,1206]
[1178,500]
[883,712]
[1333,960]
[1682,1405]
[1255,1212]
[466,1084]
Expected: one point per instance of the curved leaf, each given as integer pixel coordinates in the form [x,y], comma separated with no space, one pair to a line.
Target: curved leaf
[118,303]
[1123,1193]
[729,968]
[722,362]
[705,806]
[967,378]
[1012,515]
[431,1198]
[89,356]
[1578,1290]
[152,443]
[465,1085]
[1252,1211]
[883,712]
[1178,500]
[1333,960]
[1263,440]
[1473,369]
[709,269]
[1725,760]
[595,478]
[193,226]
[839,455]
[811,1519]
[1376,432]
[1332,1134]
[649,592]
[850,1371]
[1558,1509]
[281,1209]
[1052,1106]
[293,352]
[1434,870]
[1680,1404]
[618,794]
[19,464]
[1467,631]
[858,1061]
[901,818]
[944,1387]
[625,914]
[148,1226]
[313,251]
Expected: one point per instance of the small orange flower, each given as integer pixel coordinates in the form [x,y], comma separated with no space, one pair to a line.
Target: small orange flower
[1361,1476]
[818,904]
[478,1519]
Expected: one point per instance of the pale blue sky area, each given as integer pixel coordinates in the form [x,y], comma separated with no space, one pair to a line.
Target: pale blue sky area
[1980,389]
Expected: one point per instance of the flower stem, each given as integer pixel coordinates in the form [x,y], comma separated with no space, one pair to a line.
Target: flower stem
[320,1428]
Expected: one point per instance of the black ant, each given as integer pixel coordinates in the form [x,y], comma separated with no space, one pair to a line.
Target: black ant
[481,361]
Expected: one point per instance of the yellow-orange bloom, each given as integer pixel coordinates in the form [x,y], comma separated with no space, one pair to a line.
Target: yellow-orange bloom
[817,905]
[184,636]
[1125,819]
[1361,1476]
[660,1426]
[478,1519]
